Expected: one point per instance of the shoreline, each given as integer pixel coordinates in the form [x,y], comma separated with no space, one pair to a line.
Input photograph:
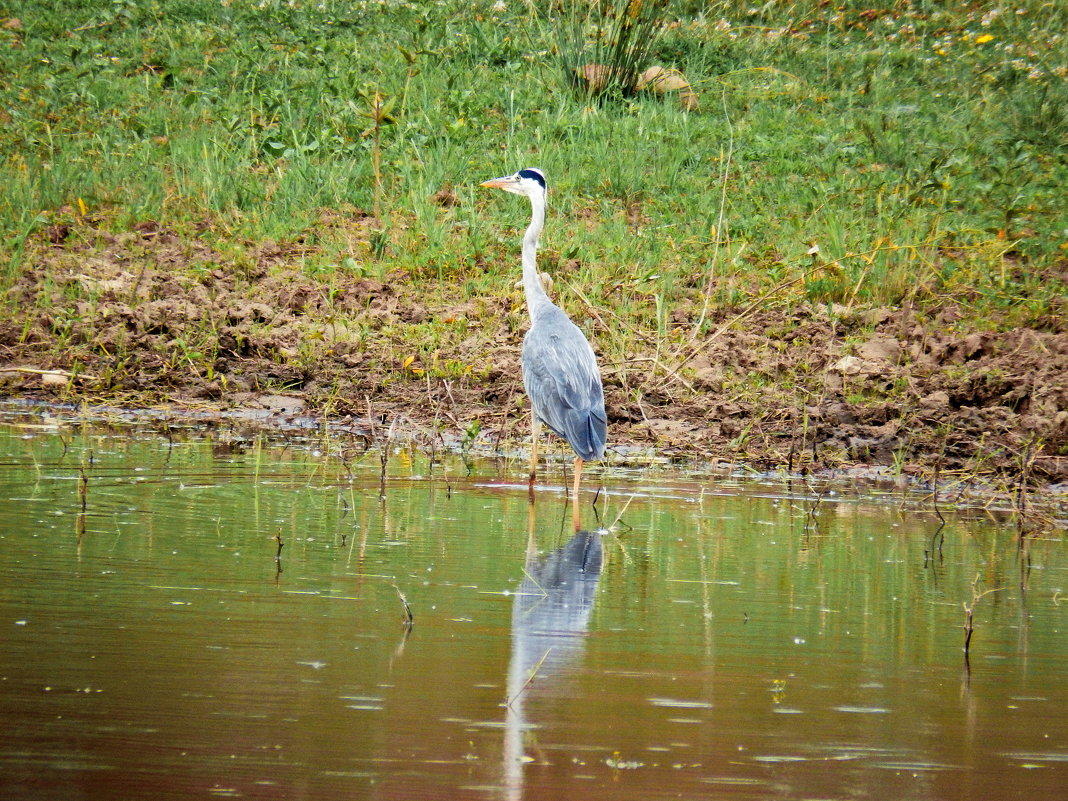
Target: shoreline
[1044,507]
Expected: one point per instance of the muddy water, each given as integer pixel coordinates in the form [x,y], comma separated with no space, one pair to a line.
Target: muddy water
[728,640]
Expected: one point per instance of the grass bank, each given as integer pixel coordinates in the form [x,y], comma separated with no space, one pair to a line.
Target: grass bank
[220,198]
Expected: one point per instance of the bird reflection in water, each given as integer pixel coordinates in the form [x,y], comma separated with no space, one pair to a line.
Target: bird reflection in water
[549,620]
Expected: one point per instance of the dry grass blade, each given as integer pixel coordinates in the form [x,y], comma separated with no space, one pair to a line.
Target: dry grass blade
[530,677]
[756,304]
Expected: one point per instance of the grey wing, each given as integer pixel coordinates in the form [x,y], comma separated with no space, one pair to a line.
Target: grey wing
[564,385]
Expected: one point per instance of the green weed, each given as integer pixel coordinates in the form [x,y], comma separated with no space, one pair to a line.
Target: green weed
[921,147]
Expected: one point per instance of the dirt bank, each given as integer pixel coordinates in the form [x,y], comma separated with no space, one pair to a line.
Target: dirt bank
[148,316]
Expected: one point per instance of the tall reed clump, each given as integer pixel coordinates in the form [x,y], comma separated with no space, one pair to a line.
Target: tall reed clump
[602,45]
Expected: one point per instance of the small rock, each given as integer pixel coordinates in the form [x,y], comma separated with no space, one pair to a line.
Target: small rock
[974,345]
[936,400]
[287,404]
[880,348]
[877,316]
[848,365]
[839,413]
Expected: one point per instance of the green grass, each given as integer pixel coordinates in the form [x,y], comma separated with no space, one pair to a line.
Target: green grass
[922,146]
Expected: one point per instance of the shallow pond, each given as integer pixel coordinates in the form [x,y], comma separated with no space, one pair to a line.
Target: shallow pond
[229,618]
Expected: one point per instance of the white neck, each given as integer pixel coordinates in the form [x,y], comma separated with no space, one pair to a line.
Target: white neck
[536,297]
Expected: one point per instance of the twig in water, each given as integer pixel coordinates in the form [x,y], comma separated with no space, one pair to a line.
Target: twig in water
[530,677]
[1026,458]
[535,582]
[619,517]
[83,486]
[934,503]
[819,499]
[939,537]
[384,457]
[278,555]
[969,609]
[934,494]
[409,619]
[793,446]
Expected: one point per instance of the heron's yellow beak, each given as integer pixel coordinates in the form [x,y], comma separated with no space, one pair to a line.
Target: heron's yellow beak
[497,183]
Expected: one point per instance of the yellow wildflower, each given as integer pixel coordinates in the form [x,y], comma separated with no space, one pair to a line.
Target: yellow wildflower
[986,37]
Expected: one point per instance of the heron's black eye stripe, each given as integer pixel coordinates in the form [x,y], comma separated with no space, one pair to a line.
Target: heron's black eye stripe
[533,175]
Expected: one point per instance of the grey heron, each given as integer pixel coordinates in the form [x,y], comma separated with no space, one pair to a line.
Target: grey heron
[559,367]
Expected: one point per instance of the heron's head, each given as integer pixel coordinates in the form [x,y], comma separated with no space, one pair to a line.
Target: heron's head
[527,182]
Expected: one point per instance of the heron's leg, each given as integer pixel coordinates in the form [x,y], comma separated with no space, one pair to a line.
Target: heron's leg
[575,512]
[535,433]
